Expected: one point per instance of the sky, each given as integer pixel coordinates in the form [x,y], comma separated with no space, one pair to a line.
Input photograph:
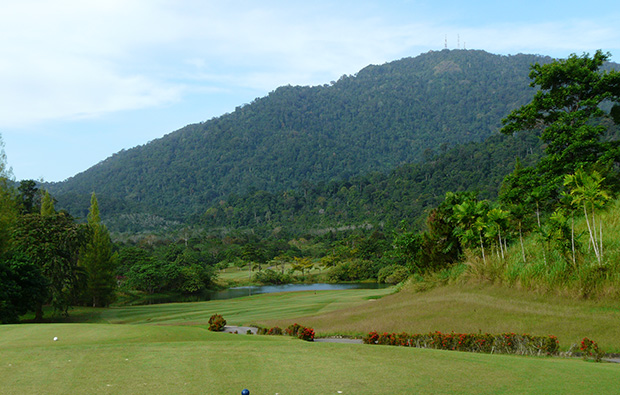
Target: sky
[83,79]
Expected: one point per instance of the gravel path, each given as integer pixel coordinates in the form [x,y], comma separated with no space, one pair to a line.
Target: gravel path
[243,330]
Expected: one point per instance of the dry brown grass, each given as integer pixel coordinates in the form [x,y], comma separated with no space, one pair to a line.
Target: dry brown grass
[476,308]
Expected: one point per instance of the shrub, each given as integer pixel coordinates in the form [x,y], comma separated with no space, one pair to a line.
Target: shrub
[216,323]
[506,343]
[306,334]
[296,330]
[293,330]
[352,270]
[392,274]
[590,350]
[271,277]
[274,331]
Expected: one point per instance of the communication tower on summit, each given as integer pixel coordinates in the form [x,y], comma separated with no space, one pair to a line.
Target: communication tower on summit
[445,44]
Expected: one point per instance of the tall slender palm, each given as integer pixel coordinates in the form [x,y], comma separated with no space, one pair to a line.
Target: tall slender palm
[587,191]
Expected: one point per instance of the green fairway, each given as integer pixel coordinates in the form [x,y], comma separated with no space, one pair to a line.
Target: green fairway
[464,309]
[240,311]
[167,349]
[140,359]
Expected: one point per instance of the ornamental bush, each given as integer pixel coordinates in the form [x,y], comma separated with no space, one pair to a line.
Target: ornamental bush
[306,334]
[276,330]
[504,343]
[216,323]
[590,350]
[295,330]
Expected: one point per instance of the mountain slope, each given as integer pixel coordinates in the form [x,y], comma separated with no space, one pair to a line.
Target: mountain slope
[374,121]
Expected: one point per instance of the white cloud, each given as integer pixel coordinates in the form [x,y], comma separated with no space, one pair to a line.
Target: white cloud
[71,58]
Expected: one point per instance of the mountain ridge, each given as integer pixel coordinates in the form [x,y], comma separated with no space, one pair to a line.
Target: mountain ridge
[382,117]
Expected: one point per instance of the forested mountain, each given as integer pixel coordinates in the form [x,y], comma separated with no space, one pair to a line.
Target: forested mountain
[377,199]
[382,117]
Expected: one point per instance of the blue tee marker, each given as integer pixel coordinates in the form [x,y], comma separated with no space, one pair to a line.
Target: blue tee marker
[245,392]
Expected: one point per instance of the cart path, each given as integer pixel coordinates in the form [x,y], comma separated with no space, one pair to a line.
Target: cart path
[243,330]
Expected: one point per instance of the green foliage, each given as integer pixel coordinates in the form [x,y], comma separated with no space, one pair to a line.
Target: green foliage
[295,330]
[568,108]
[29,196]
[393,274]
[272,277]
[47,205]
[23,287]
[298,137]
[97,260]
[52,243]
[504,343]
[590,350]
[216,323]
[353,270]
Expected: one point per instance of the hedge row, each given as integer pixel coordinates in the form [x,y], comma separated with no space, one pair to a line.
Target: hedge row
[296,330]
[504,343]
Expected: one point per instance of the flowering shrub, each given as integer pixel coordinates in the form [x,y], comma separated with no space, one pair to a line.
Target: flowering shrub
[293,330]
[306,334]
[276,330]
[590,350]
[216,323]
[507,343]
[296,330]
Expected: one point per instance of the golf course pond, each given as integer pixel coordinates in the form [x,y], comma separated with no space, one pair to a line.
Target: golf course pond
[238,292]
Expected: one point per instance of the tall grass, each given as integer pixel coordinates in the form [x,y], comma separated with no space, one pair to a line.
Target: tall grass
[546,269]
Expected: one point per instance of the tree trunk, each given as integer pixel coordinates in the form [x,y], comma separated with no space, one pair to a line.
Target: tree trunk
[482,248]
[600,250]
[522,246]
[572,238]
[592,240]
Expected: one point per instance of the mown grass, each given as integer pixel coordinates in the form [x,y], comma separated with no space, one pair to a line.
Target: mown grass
[153,359]
[239,311]
[465,308]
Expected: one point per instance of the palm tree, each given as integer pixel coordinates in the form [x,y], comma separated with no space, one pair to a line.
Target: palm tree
[471,221]
[586,190]
[497,220]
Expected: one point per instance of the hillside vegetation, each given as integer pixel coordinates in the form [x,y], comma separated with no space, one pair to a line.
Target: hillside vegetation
[382,117]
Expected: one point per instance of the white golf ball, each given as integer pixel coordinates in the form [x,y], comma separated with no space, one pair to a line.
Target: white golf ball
[55,338]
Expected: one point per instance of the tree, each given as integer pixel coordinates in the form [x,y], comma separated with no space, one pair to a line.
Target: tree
[586,190]
[30,197]
[47,205]
[440,245]
[97,261]
[568,108]
[497,221]
[302,265]
[52,243]
[471,221]
[23,287]
[8,202]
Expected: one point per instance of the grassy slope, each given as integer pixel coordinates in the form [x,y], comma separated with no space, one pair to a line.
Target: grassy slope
[474,308]
[166,348]
[464,308]
[104,358]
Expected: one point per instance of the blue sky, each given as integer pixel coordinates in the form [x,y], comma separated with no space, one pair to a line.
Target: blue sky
[81,80]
